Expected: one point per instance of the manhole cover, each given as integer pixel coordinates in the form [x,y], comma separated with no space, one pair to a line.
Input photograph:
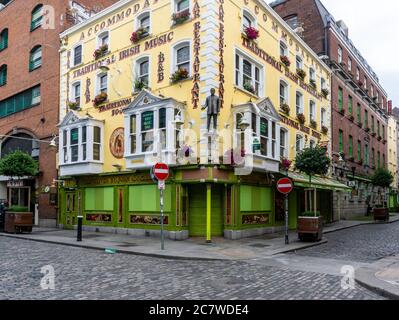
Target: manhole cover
[259,245]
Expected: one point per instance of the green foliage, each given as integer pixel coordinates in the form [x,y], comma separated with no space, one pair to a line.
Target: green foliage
[18,164]
[310,214]
[18,209]
[312,161]
[382,178]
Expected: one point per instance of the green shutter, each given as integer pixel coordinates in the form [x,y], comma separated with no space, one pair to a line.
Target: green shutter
[99,199]
[350,105]
[359,151]
[341,141]
[3,39]
[37,17]
[3,75]
[340,99]
[359,119]
[350,147]
[146,198]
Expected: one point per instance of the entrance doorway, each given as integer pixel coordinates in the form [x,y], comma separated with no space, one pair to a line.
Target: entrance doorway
[197,210]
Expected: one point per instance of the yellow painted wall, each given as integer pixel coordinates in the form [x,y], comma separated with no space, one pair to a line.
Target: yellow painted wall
[121,74]
[393,150]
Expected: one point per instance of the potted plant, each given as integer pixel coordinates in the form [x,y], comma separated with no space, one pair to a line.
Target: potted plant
[286,109]
[16,165]
[313,124]
[100,98]
[301,118]
[325,92]
[139,85]
[139,34]
[311,161]
[249,87]
[324,130]
[180,17]
[251,33]
[179,75]
[100,52]
[382,178]
[285,60]
[301,73]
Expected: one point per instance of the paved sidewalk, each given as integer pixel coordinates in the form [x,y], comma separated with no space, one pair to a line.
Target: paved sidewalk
[195,248]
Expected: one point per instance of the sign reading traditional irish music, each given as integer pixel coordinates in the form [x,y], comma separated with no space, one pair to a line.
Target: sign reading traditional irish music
[285,186]
[147,121]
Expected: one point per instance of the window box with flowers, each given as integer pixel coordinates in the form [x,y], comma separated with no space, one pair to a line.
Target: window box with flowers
[325,92]
[139,85]
[324,130]
[301,73]
[249,87]
[181,17]
[312,83]
[285,108]
[74,106]
[313,124]
[179,75]
[100,52]
[251,33]
[286,61]
[301,118]
[285,164]
[100,98]
[139,34]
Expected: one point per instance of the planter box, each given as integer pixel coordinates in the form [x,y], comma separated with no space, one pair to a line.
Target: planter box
[381,214]
[18,222]
[310,227]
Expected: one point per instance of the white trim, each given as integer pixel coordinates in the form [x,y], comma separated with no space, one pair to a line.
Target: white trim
[173,7]
[287,48]
[302,146]
[101,35]
[287,100]
[72,91]
[302,102]
[97,82]
[173,60]
[140,16]
[73,65]
[251,15]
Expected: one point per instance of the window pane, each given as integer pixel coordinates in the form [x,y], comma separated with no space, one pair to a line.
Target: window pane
[183,55]
[75,136]
[147,139]
[97,135]
[133,124]
[162,118]
[84,134]
[147,121]
[96,152]
[78,55]
[183,5]
[264,127]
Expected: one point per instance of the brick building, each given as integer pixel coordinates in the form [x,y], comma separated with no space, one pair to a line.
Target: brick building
[29,92]
[359,102]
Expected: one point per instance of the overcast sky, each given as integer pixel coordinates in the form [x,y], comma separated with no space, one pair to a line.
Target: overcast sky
[374,30]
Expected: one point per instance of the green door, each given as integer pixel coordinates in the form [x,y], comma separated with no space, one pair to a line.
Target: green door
[70,208]
[197,211]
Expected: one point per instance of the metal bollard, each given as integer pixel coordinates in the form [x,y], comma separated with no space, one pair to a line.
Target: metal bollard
[80,224]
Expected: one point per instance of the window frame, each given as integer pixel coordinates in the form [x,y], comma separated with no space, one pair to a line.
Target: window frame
[175,48]
[285,96]
[34,63]
[137,69]
[4,39]
[74,54]
[138,22]
[73,92]
[258,85]
[37,22]
[248,15]
[299,109]
[3,75]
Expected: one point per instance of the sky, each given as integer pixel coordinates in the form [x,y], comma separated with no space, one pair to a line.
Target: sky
[374,30]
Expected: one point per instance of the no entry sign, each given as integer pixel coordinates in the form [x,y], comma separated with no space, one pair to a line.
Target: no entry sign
[161,171]
[285,186]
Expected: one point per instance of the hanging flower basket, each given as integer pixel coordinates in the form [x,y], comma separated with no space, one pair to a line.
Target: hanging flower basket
[286,109]
[301,118]
[301,73]
[180,17]
[179,75]
[100,98]
[139,34]
[100,52]
[285,60]
[285,164]
[251,33]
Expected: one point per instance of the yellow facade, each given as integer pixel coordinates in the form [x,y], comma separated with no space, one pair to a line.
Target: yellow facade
[214,33]
[393,149]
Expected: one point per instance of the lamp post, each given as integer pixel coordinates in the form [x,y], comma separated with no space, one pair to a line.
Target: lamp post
[286,165]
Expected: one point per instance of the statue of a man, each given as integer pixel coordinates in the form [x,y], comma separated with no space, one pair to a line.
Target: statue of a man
[213,106]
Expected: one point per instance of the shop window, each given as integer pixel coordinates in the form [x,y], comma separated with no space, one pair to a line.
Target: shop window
[19,197]
[249,75]
[37,17]
[35,60]
[3,75]
[133,134]
[77,55]
[264,136]
[3,39]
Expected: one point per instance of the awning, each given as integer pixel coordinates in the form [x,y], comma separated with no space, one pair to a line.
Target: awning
[302,180]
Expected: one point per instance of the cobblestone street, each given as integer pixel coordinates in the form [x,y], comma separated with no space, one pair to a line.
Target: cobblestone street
[90,274]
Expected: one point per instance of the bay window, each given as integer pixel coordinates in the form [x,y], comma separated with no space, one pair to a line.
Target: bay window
[264,136]
[249,75]
[74,144]
[133,132]
[147,131]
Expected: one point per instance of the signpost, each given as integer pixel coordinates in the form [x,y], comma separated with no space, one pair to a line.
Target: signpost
[285,186]
[161,173]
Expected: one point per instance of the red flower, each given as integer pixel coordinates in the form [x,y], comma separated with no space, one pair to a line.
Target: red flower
[285,163]
[285,60]
[251,33]
[135,37]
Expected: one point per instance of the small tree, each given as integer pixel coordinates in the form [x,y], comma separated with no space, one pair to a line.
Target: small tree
[18,164]
[312,161]
[382,178]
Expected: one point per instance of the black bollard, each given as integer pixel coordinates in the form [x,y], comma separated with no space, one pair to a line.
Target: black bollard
[80,224]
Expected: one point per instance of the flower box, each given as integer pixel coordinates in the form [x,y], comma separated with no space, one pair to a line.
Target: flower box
[301,73]
[286,109]
[249,87]
[139,85]
[325,92]
[179,75]
[301,118]
[324,130]
[18,222]
[74,106]
[381,214]
[181,17]
[285,60]
[285,164]
[310,227]
[100,52]
[251,33]
[139,34]
[100,98]
[313,124]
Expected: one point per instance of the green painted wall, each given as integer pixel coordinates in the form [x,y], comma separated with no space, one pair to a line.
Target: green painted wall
[99,199]
[293,210]
[255,199]
[145,198]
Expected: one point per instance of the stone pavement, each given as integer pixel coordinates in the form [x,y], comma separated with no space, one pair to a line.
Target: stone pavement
[195,248]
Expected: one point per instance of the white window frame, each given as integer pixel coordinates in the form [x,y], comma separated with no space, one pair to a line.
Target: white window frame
[323,83]
[299,62]
[101,36]
[98,82]
[340,54]
[175,3]
[240,70]
[285,96]
[73,91]
[357,73]
[323,117]
[349,64]
[284,147]
[312,74]
[140,17]
[301,106]
[250,16]
[136,71]
[301,139]
[73,54]
[283,49]
[312,110]
[175,48]
[38,98]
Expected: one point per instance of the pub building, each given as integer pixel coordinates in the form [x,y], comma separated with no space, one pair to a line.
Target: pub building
[143,94]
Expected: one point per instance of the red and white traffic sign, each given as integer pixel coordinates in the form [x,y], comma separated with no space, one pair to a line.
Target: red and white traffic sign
[285,186]
[161,171]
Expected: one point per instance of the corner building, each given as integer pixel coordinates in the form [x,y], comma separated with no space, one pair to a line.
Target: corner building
[127,105]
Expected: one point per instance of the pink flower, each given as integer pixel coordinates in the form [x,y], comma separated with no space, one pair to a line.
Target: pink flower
[251,33]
